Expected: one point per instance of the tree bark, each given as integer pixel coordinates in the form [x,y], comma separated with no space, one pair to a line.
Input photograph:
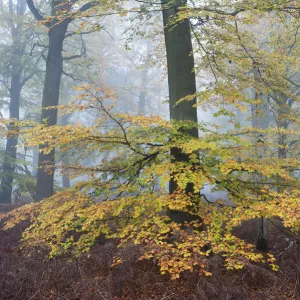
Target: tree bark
[182,83]
[54,69]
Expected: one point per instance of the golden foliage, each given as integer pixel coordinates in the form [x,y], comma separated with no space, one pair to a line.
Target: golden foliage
[132,201]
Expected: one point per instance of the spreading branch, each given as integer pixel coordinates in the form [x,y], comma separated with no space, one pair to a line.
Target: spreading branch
[35,11]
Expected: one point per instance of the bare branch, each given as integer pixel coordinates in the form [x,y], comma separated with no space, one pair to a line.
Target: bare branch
[35,11]
[79,33]
[87,6]
[5,84]
[36,44]
[82,52]
[70,75]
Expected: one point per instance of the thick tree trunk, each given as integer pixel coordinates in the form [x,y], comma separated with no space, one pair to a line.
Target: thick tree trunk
[54,69]
[182,83]
[9,163]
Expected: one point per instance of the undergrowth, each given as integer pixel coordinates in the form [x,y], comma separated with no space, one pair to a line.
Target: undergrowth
[29,274]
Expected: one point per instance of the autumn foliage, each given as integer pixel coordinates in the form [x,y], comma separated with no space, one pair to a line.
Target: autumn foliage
[122,163]
[130,200]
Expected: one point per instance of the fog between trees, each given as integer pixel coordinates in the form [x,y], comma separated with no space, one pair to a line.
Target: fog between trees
[171,119]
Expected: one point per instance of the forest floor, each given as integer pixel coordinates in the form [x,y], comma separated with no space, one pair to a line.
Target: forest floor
[30,275]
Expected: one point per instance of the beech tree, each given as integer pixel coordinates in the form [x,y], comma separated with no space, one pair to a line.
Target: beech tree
[182,82]
[62,14]
[20,64]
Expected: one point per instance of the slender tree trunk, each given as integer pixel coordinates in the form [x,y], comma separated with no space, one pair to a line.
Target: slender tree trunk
[143,92]
[54,69]
[284,109]
[9,163]
[182,83]
[35,157]
[282,150]
[66,182]
[144,83]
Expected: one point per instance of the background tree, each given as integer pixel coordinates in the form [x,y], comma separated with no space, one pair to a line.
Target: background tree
[20,63]
[57,24]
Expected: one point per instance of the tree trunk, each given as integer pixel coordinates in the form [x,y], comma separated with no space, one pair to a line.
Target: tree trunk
[9,163]
[35,157]
[66,182]
[259,121]
[284,109]
[144,83]
[54,69]
[143,92]
[182,83]
[16,84]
